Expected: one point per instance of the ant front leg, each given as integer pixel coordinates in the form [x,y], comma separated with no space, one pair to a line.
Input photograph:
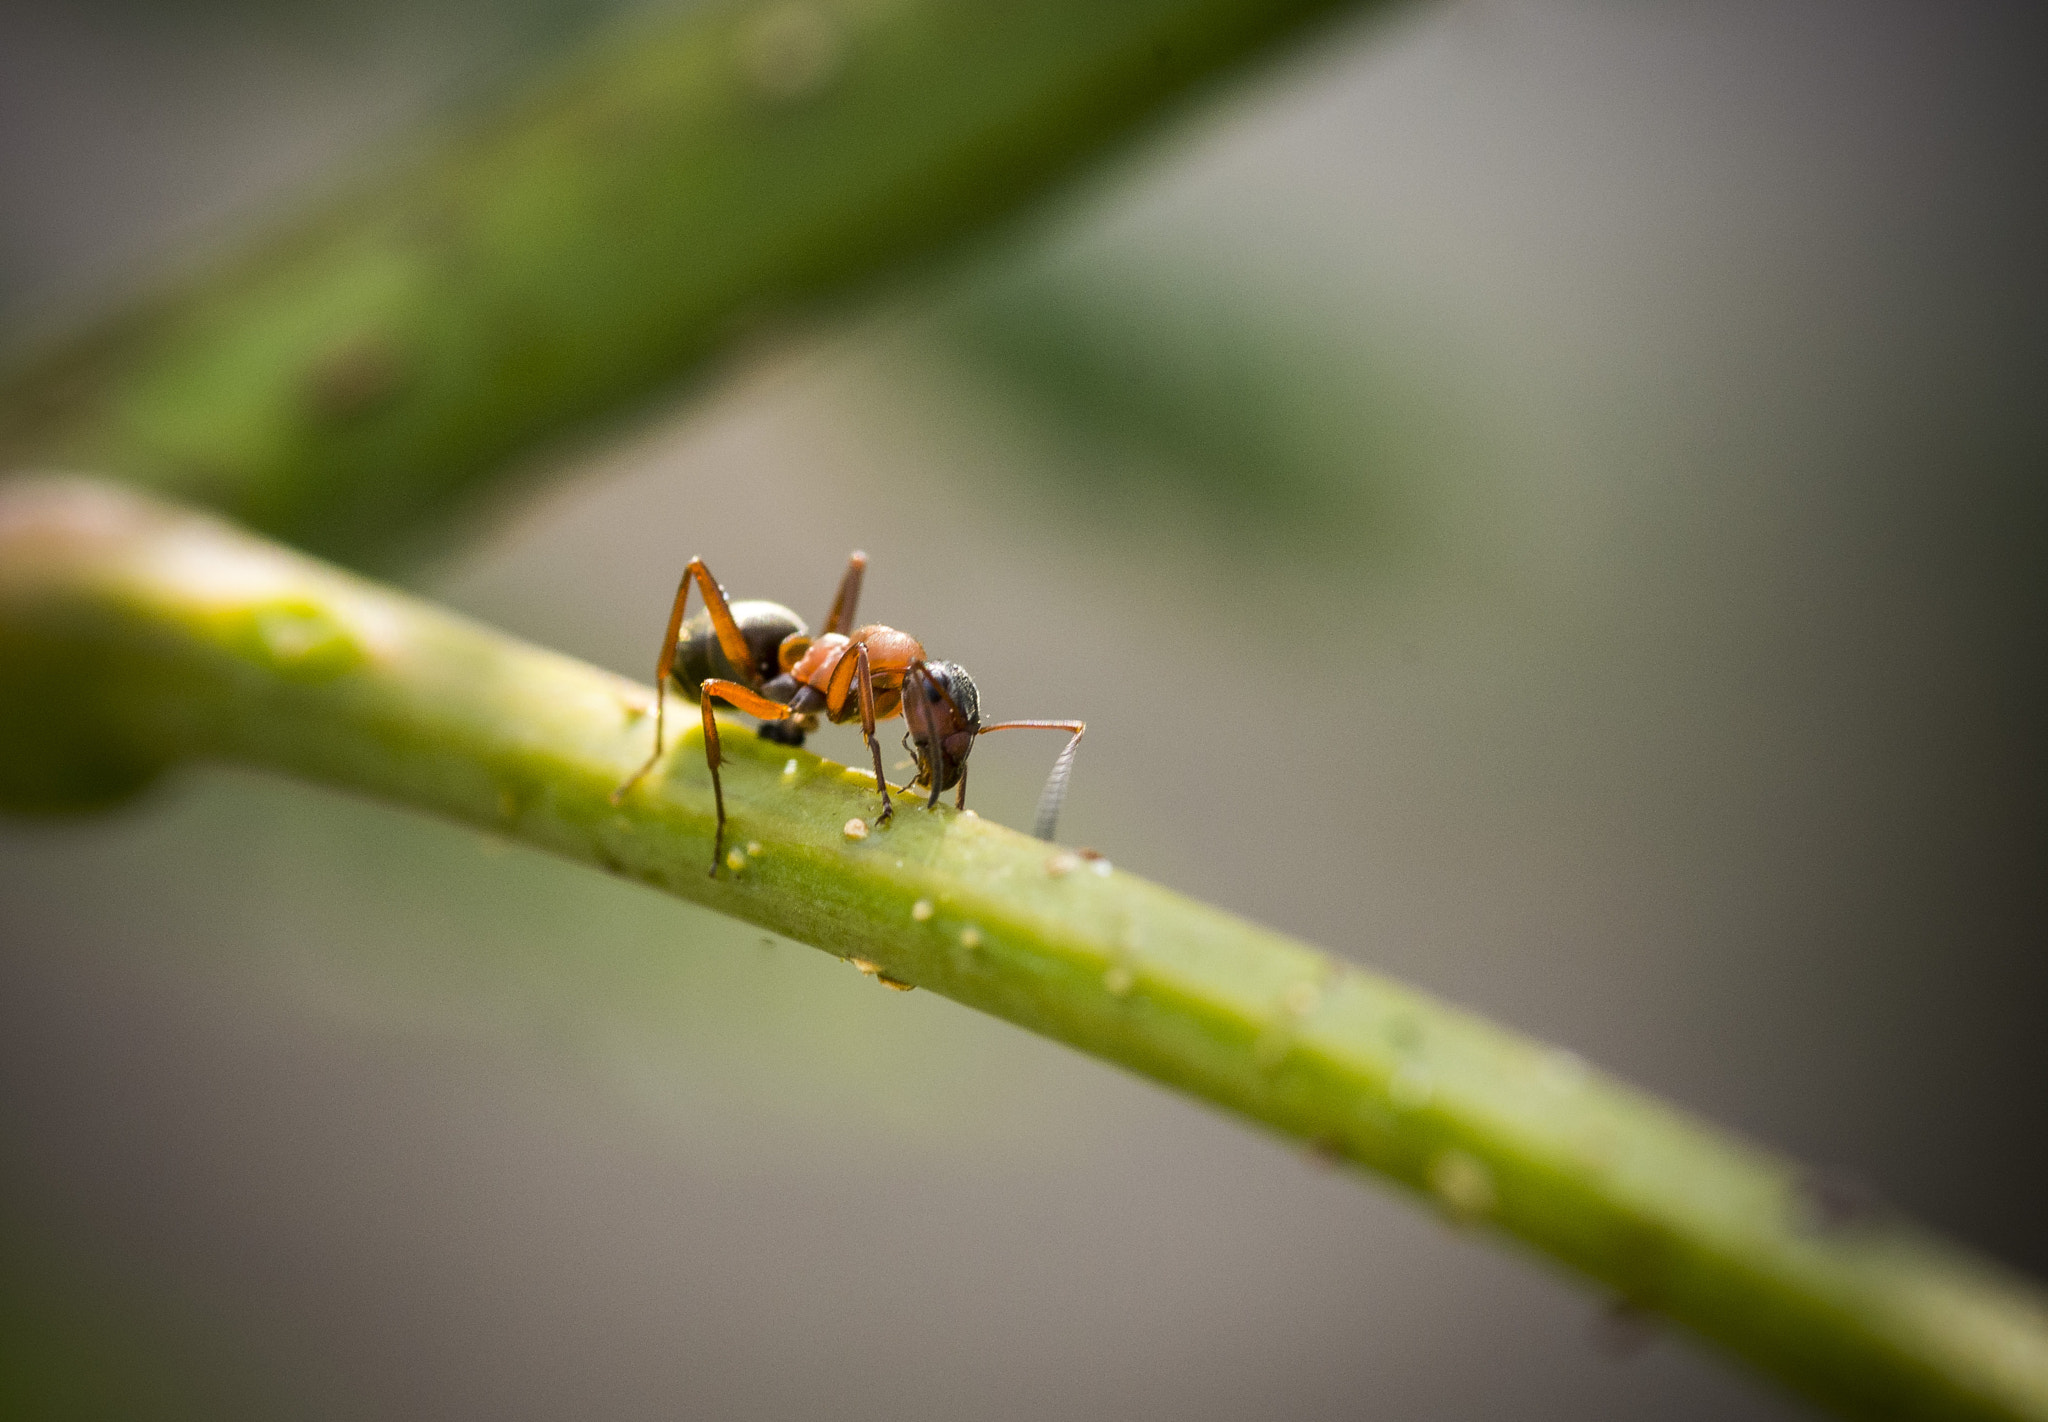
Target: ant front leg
[754,704]
[730,640]
[865,682]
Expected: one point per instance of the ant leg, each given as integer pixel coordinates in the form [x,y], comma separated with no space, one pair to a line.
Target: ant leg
[865,682]
[909,787]
[1055,793]
[729,639]
[840,618]
[852,675]
[754,704]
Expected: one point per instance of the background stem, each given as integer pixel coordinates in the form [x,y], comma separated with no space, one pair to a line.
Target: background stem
[350,382]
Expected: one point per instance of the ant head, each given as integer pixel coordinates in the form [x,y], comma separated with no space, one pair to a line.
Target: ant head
[943,711]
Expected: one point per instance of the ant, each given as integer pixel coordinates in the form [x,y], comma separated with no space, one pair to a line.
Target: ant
[758,657]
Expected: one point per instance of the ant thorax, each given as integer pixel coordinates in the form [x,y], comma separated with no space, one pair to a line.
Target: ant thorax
[826,672]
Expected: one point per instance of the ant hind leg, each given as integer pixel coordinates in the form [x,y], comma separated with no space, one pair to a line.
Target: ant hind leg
[730,639]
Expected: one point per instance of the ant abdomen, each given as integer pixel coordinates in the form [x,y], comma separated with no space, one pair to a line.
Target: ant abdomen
[699,656]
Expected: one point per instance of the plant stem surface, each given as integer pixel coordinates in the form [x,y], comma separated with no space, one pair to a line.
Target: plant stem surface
[134,635]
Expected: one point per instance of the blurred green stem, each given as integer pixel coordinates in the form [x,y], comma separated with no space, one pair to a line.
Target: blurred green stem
[350,382]
[134,635]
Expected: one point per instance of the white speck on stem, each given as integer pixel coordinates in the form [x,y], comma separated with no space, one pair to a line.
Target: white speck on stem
[1464,1186]
[970,937]
[922,910]
[1119,980]
[856,828]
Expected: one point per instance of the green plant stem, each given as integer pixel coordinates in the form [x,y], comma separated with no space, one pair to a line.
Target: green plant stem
[352,381]
[134,635]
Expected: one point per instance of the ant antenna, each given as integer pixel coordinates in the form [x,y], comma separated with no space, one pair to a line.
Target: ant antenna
[1055,793]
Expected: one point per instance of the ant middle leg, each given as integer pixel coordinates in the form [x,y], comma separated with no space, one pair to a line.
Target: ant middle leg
[840,618]
[754,704]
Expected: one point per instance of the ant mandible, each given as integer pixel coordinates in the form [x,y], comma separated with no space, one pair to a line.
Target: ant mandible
[758,657]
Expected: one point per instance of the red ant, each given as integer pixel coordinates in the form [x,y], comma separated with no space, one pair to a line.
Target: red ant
[757,656]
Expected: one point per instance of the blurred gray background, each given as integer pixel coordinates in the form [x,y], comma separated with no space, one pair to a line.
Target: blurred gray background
[1545,499]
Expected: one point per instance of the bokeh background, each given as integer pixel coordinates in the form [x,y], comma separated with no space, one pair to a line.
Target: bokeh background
[1545,499]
